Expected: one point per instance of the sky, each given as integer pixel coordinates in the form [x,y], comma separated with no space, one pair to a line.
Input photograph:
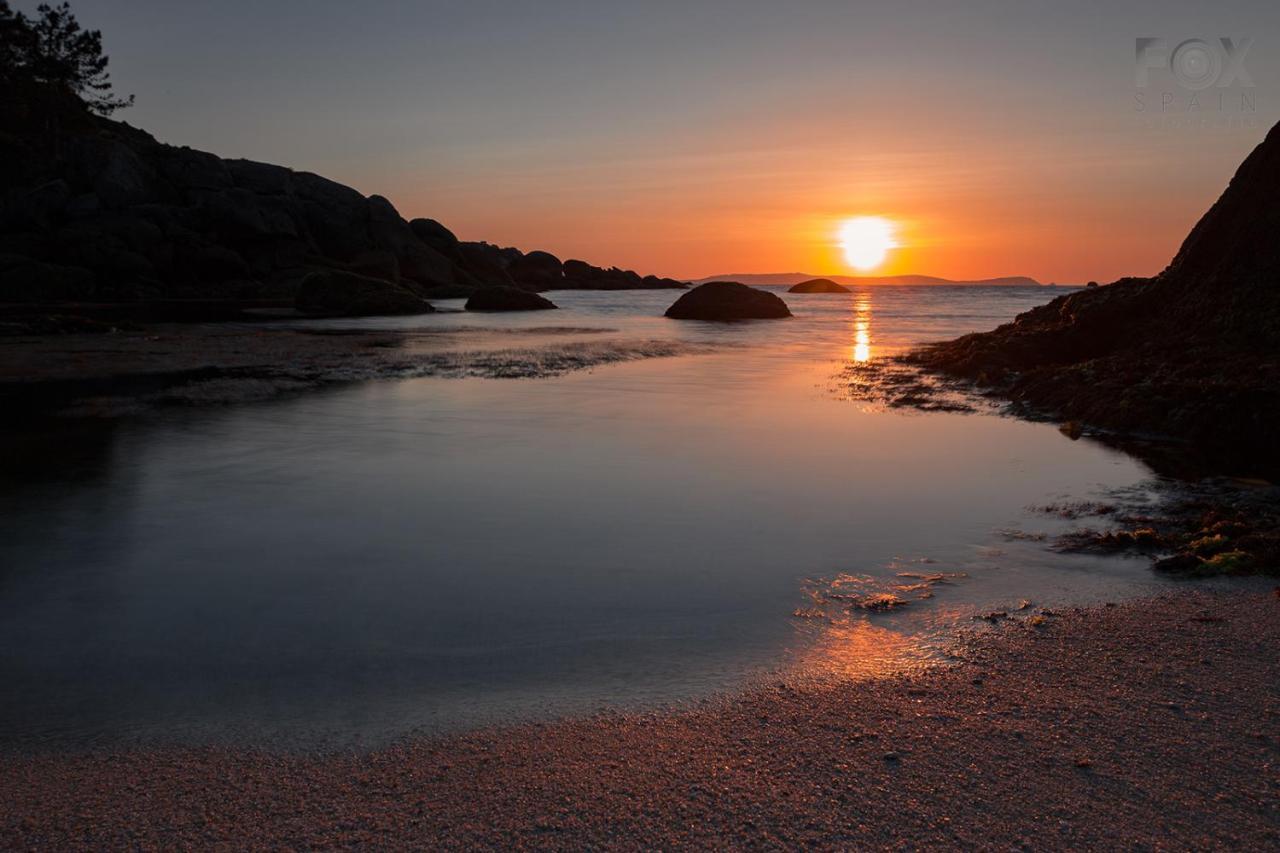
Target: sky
[700,138]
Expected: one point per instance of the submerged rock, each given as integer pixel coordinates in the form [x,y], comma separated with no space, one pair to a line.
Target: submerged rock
[728,300]
[818,285]
[333,293]
[507,299]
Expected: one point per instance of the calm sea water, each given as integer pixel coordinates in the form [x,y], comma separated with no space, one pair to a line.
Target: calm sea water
[393,557]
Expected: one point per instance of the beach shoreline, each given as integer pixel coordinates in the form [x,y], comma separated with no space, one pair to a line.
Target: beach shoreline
[1148,723]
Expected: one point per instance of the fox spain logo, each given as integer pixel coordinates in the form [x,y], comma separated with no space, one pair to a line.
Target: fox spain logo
[1194,75]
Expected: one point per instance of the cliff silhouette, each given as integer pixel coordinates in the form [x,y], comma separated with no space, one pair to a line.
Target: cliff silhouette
[1192,353]
[96,211]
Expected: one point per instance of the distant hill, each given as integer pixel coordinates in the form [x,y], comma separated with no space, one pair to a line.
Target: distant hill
[790,278]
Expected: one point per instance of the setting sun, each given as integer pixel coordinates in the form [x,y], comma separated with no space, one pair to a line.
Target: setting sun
[866,241]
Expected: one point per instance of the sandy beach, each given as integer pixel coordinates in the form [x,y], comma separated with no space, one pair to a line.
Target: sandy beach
[1150,724]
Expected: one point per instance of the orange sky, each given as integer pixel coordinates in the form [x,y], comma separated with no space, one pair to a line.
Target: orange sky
[694,139]
[967,204]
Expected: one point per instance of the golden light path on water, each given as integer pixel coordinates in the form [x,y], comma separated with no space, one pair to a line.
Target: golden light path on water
[862,329]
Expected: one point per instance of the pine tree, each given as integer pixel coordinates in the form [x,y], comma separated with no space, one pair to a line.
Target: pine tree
[15,42]
[55,50]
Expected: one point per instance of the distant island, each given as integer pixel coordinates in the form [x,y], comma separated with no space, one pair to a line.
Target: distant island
[790,278]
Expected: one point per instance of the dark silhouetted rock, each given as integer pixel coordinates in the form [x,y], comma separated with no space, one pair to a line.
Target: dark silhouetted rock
[818,285]
[448,291]
[149,220]
[376,263]
[507,299]
[580,275]
[536,271]
[1190,353]
[436,236]
[333,293]
[486,264]
[25,280]
[727,300]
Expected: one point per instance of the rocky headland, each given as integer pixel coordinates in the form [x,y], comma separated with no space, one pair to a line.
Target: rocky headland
[1192,354]
[99,218]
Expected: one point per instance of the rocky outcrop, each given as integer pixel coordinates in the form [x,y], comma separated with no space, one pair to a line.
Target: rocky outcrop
[818,285]
[1190,353]
[727,300]
[580,275]
[95,210]
[507,299]
[536,271]
[330,293]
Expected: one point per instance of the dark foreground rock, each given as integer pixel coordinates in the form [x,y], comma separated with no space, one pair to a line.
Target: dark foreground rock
[343,294]
[818,285]
[507,299]
[727,300]
[1191,353]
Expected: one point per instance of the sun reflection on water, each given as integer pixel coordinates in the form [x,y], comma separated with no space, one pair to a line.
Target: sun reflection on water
[862,329]
[858,649]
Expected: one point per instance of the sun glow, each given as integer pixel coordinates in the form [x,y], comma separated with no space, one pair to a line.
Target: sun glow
[866,241]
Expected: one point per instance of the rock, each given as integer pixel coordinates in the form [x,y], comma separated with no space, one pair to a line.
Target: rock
[485,263]
[653,282]
[126,178]
[332,293]
[238,213]
[197,260]
[26,280]
[417,261]
[537,271]
[262,178]
[1187,354]
[37,208]
[147,219]
[727,300]
[436,236]
[818,285]
[580,275]
[187,168]
[376,263]
[507,299]
[448,291]
[575,270]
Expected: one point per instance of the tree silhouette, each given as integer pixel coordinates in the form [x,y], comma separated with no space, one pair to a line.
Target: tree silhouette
[15,43]
[55,50]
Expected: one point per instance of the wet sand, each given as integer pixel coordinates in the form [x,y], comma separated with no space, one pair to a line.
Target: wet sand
[1149,724]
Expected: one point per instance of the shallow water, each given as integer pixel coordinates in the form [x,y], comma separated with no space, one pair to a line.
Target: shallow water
[355,565]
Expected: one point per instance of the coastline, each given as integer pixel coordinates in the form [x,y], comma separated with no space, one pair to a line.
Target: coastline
[1154,722]
[125,372]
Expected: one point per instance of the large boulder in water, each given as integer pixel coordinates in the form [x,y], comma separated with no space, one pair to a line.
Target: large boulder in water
[507,299]
[728,300]
[333,293]
[818,285]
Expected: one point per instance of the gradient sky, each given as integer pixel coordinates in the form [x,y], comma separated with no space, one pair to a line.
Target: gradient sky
[694,139]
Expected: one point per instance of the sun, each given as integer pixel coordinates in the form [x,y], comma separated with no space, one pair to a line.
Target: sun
[866,241]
